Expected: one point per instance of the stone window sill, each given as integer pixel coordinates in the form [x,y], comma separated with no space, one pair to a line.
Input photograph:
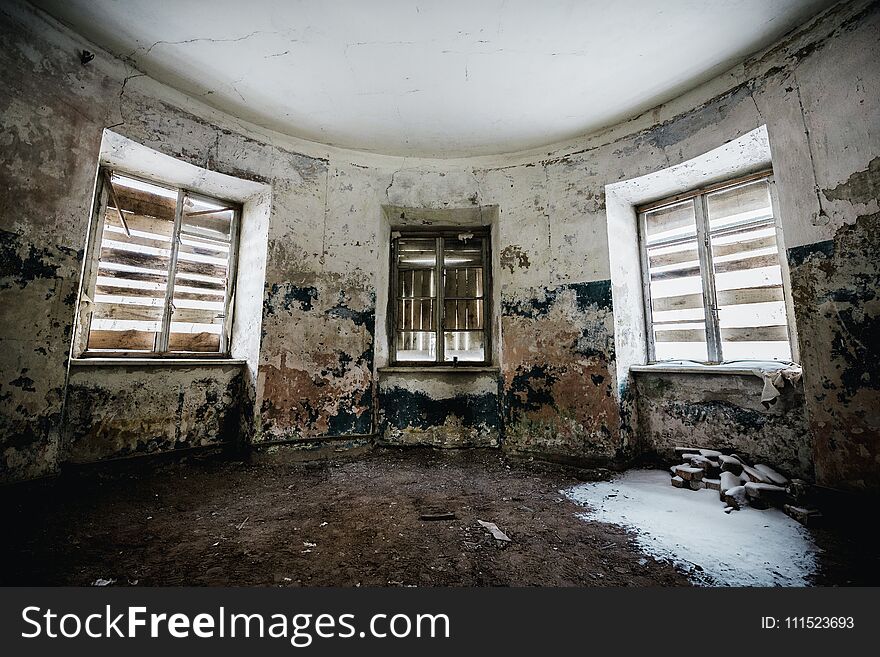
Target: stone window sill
[157,362]
[439,369]
[749,367]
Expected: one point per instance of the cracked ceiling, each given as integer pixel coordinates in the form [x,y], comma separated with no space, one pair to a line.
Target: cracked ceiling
[446,79]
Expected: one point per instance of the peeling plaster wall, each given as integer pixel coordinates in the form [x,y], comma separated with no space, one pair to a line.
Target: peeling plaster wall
[440,409]
[724,411]
[322,338]
[124,411]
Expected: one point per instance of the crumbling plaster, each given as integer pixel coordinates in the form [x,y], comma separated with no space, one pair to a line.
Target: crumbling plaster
[316,373]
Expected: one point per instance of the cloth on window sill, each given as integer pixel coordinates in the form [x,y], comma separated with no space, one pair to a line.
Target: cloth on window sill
[774,381]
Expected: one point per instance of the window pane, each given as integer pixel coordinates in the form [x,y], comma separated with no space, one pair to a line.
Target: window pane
[463,252]
[202,270]
[464,346]
[416,346]
[463,314]
[417,252]
[133,266]
[416,283]
[415,315]
[463,282]
[676,288]
[748,278]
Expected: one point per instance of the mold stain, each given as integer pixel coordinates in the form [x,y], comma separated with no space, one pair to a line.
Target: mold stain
[513,256]
[837,308]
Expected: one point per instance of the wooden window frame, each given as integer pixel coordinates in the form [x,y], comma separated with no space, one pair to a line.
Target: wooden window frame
[707,270]
[102,199]
[441,234]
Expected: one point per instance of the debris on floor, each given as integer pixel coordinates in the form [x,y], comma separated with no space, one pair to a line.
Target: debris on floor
[740,484]
[497,534]
[757,548]
[440,515]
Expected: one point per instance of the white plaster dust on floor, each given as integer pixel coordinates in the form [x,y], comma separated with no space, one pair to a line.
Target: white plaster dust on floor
[750,547]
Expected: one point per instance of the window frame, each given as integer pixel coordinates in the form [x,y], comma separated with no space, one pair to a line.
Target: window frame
[102,201]
[707,271]
[440,234]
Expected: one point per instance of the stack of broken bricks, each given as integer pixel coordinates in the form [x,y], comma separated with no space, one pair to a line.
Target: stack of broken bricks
[739,483]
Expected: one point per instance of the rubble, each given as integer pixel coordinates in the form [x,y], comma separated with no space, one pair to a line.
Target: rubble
[740,484]
[764,495]
[807,517]
[735,497]
[771,474]
[750,474]
[730,464]
[728,480]
[688,472]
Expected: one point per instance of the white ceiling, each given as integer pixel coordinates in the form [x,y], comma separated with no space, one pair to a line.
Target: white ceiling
[436,78]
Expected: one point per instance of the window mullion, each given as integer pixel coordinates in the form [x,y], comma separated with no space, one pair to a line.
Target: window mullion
[646,285]
[231,275]
[167,308]
[707,273]
[441,306]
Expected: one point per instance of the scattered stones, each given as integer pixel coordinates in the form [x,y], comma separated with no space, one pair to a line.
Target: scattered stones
[800,491]
[735,497]
[730,464]
[689,473]
[739,484]
[753,475]
[764,495]
[771,474]
[728,480]
[807,517]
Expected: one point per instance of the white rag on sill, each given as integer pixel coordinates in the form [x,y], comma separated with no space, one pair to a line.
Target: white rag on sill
[774,381]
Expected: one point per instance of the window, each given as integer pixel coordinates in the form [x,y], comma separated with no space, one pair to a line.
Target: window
[160,276]
[713,281]
[439,286]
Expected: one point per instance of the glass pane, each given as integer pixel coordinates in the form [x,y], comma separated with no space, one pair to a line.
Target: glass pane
[415,314]
[463,314]
[463,283]
[458,252]
[464,346]
[133,266]
[419,252]
[416,283]
[742,204]
[748,279]
[202,270]
[416,346]
[676,287]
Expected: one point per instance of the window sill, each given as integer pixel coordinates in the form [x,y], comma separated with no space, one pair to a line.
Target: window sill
[749,367]
[157,362]
[440,369]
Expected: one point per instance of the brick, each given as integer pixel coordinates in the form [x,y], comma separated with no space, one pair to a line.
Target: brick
[763,495]
[689,473]
[771,474]
[730,464]
[735,497]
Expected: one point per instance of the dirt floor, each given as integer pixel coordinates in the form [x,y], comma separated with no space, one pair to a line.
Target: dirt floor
[348,522]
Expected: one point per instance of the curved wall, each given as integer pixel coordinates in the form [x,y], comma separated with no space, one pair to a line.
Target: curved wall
[319,373]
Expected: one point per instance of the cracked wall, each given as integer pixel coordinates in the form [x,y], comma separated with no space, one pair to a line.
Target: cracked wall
[321,342]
